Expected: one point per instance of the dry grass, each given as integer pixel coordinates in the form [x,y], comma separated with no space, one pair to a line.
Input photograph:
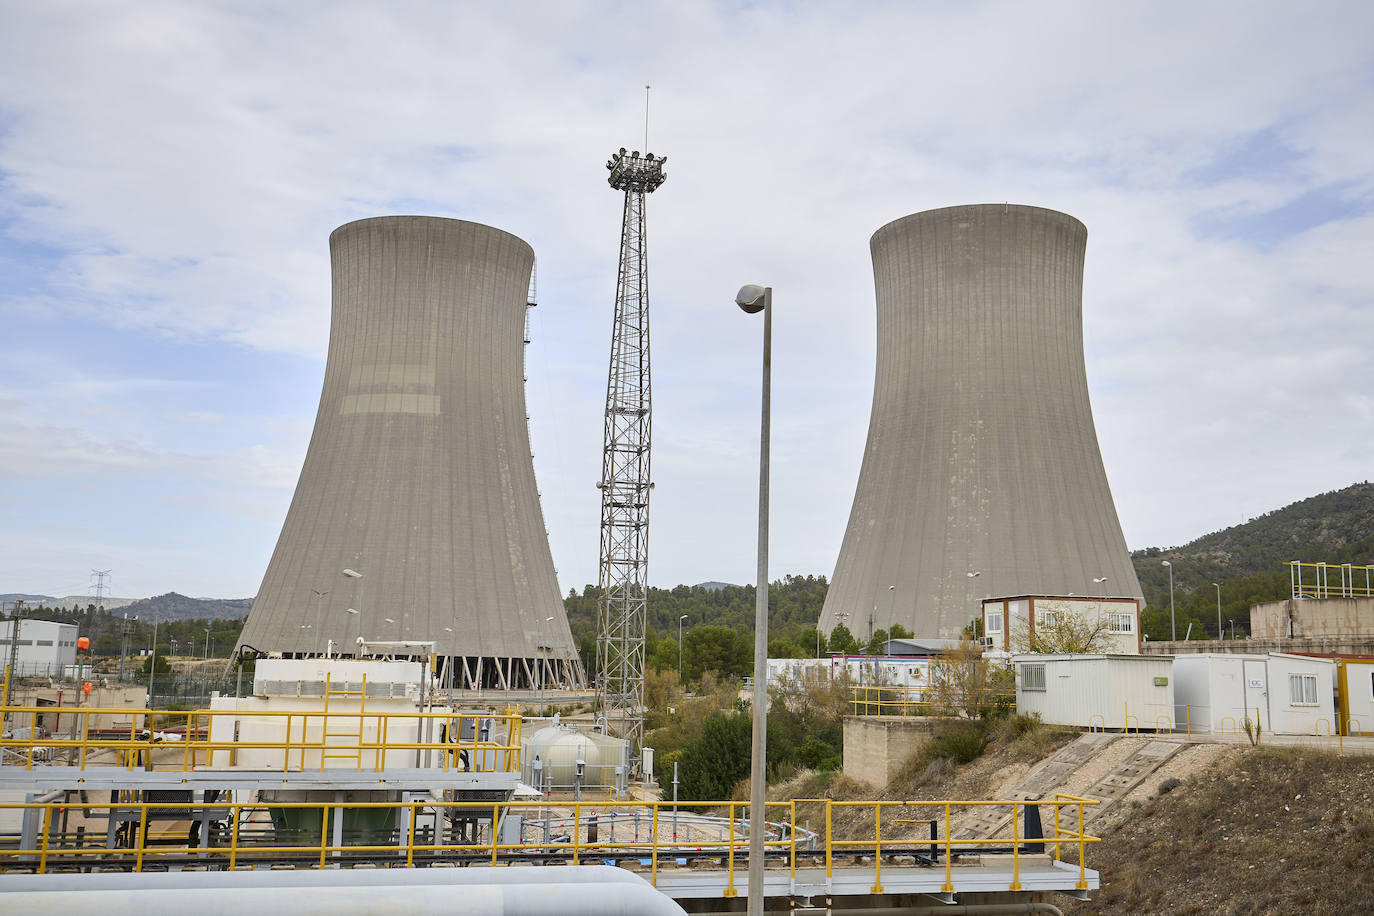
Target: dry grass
[1266,831]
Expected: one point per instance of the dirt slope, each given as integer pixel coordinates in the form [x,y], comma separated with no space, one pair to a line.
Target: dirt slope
[1256,831]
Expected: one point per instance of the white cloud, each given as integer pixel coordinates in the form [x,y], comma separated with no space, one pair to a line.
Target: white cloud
[188,161]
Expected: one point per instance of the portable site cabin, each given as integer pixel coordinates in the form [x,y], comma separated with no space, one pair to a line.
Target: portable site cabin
[1099,691]
[1286,694]
[1355,694]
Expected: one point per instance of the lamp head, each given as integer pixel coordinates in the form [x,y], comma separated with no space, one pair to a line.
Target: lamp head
[751,298]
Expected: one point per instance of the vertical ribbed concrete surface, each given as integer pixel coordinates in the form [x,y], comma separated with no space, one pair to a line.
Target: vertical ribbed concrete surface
[982,455]
[419,473]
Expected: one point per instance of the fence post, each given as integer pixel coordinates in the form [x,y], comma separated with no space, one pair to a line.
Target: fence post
[653,848]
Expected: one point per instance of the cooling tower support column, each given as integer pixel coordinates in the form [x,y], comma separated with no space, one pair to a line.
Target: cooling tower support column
[419,479]
[622,608]
[982,475]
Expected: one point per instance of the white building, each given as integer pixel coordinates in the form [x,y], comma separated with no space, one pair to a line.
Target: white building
[45,648]
[1007,622]
[862,670]
[1097,691]
[1286,694]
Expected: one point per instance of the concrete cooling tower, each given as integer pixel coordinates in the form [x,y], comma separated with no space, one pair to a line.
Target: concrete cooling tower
[418,476]
[982,474]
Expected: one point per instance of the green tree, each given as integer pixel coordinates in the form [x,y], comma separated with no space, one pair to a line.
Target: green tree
[843,641]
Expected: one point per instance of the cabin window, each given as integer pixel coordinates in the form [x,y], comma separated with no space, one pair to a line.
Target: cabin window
[1032,677]
[994,621]
[1302,689]
[1048,618]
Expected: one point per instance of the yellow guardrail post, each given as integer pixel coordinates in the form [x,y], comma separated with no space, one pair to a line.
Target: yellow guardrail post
[43,844]
[142,839]
[1015,851]
[828,844]
[877,848]
[1082,844]
[792,835]
[496,819]
[324,830]
[237,813]
[730,855]
[653,849]
[948,887]
[410,840]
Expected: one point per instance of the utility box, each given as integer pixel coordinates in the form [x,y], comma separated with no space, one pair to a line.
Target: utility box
[1097,691]
[1286,694]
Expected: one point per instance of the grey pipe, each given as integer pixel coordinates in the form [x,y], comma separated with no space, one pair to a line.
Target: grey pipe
[476,899]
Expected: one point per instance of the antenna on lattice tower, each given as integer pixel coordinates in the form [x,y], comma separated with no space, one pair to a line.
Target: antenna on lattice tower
[622,606]
[99,575]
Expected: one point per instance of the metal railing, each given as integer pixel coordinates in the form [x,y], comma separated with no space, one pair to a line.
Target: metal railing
[419,833]
[1319,585]
[295,740]
[886,700]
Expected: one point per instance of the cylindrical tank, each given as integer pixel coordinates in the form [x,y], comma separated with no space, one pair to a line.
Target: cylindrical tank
[558,748]
[418,479]
[982,474]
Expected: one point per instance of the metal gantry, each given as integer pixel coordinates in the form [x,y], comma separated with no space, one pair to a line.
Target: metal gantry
[625,482]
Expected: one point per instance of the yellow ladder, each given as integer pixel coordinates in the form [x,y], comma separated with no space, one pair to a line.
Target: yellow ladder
[329,751]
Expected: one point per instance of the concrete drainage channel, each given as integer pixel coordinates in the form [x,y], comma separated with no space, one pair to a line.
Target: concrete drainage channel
[574,890]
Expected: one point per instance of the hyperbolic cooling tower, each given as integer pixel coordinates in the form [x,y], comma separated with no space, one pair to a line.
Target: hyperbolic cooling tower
[419,473]
[982,475]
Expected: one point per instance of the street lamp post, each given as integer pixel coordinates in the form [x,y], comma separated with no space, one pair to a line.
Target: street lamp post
[1173,628]
[358,649]
[152,665]
[1220,632]
[679,649]
[355,574]
[753,299]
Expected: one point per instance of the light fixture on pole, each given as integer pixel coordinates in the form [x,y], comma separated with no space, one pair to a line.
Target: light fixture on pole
[754,299]
[1173,628]
[975,574]
[679,649]
[355,613]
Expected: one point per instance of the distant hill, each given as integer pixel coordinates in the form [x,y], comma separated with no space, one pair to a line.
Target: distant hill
[11,597]
[174,606]
[1250,560]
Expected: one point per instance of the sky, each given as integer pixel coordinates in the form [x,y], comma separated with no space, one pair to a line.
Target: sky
[170,173]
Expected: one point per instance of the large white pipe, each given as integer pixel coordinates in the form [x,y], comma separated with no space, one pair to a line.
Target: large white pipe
[129,882]
[534,899]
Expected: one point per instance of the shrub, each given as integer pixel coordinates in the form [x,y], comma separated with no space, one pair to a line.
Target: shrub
[1168,786]
[962,743]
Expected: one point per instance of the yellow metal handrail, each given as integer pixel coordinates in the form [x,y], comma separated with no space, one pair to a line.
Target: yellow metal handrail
[887,700]
[782,837]
[194,728]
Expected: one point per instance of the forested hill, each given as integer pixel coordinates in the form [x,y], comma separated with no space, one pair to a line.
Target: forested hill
[1250,560]
[173,606]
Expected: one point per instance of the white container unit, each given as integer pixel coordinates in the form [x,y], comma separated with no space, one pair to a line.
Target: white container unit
[1356,679]
[1099,691]
[1286,694]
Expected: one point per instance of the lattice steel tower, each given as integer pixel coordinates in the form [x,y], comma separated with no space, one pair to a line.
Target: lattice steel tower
[625,484]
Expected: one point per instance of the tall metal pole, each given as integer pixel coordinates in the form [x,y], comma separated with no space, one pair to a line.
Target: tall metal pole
[1220,632]
[1173,628]
[679,648]
[759,755]
[625,484]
